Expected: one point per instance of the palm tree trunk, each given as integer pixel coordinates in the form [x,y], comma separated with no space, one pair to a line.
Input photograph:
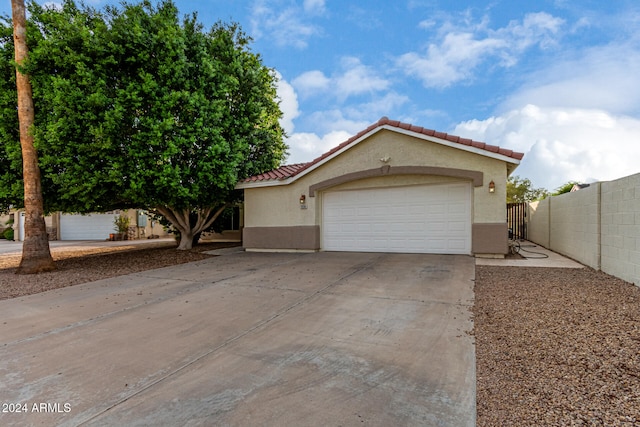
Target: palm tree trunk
[36,255]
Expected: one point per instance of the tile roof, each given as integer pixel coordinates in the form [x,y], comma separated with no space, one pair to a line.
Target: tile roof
[289,171]
[283,172]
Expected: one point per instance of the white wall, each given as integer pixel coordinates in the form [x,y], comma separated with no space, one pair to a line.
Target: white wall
[575,225]
[538,222]
[598,226]
[621,228]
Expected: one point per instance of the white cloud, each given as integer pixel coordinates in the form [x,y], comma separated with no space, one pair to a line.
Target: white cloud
[328,121]
[314,6]
[563,144]
[459,50]
[536,29]
[330,128]
[304,147]
[288,104]
[357,79]
[286,23]
[577,119]
[311,82]
[379,106]
[597,78]
[353,79]
[451,61]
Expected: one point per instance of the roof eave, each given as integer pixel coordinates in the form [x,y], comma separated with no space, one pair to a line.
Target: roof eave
[263,183]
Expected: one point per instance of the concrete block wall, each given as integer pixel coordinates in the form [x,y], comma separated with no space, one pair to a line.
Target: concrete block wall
[621,228]
[575,225]
[538,222]
[599,226]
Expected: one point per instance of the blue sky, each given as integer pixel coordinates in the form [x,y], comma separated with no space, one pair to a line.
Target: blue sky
[555,79]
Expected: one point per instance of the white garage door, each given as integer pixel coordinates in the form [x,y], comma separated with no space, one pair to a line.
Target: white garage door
[86,227]
[417,219]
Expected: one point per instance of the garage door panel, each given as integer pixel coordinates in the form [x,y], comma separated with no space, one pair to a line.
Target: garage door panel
[419,227]
[454,226]
[436,228]
[457,244]
[426,219]
[364,227]
[437,208]
[437,245]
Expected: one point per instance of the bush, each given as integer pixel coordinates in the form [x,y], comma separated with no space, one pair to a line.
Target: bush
[122,223]
[8,234]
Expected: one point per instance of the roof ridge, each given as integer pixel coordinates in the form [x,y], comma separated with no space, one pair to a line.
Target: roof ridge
[289,171]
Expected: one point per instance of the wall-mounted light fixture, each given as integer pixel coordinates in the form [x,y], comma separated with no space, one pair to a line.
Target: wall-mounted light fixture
[303,199]
[492,187]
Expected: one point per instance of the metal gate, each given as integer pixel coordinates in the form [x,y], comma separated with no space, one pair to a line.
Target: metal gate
[517,220]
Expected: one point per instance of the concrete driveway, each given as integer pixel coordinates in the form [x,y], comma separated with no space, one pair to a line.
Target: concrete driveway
[248,339]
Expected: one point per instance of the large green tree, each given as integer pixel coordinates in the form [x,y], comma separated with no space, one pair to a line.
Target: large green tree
[521,190]
[141,109]
[11,191]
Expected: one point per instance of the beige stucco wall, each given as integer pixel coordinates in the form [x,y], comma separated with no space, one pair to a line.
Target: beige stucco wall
[3,223]
[3,219]
[279,205]
[143,232]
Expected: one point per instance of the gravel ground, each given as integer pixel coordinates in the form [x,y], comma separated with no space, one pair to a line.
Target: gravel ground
[556,347]
[75,266]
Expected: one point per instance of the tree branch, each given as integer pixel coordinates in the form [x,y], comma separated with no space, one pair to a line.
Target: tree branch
[216,215]
[168,213]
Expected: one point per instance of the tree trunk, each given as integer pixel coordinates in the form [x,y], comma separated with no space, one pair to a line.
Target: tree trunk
[36,255]
[186,240]
[181,221]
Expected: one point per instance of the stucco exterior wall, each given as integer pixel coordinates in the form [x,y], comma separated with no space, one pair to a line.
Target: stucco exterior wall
[575,225]
[279,206]
[620,217]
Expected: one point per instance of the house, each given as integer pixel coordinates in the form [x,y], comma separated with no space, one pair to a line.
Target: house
[94,226]
[578,187]
[99,226]
[393,187]
[6,222]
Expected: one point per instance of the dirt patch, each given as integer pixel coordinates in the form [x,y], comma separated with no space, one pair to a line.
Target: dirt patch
[556,347]
[82,266]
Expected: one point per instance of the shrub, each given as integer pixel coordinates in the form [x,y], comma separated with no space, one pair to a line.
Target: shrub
[8,234]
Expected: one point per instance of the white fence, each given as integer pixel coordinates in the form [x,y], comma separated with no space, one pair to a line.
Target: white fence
[598,226]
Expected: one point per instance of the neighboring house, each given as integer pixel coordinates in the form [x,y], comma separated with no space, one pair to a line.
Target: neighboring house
[5,222]
[578,187]
[99,226]
[94,226]
[393,187]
